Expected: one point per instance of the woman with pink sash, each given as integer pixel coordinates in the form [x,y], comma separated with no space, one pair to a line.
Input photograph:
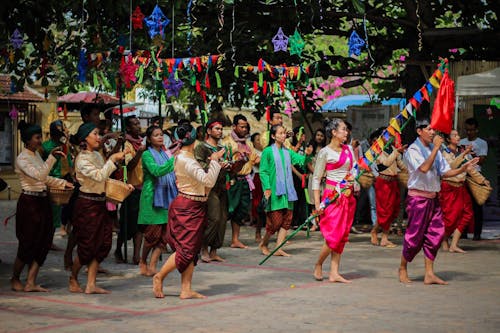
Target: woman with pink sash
[336,161]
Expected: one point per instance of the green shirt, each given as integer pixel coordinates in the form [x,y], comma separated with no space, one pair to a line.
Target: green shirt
[268,175]
[147,213]
[56,170]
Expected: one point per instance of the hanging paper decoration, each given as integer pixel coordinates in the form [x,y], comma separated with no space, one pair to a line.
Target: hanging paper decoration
[137,18]
[296,43]
[444,106]
[82,65]
[17,39]
[13,112]
[355,43]
[156,23]
[280,41]
[173,85]
[127,70]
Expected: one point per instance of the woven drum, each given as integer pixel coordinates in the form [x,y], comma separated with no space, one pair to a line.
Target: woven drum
[60,196]
[366,180]
[116,191]
[403,178]
[478,191]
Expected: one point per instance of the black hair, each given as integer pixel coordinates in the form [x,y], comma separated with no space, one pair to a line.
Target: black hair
[272,131]
[472,122]
[28,130]
[149,133]
[313,142]
[348,125]
[333,124]
[253,136]
[183,133]
[375,134]
[183,121]
[239,117]
[296,131]
[273,110]
[86,110]
[128,120]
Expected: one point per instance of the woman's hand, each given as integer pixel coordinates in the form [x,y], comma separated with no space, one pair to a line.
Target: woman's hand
[117,157]
[217,155]
[57,151]
[309,150]
[470,164]
[130,187]
[69,185]
[267,194]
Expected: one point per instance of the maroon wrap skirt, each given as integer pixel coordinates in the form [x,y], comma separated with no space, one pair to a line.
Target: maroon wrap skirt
[187,221]
[93,229]
[34,228]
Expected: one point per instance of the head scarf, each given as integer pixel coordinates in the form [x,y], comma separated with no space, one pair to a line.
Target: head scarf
[212,123]
[189,137]
[54,128]
[84,131]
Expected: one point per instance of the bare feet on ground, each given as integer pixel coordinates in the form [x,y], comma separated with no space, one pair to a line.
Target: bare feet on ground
[34,288]
[158,287]
[258,238]
[238,245]
[16,285]
[388,244]
[264,249]
[456,249]
[373,238]
[191,294]
[445,246]
[433,279]
[74,286]
[403,276]
[318,272]
[205,258]
[281,253]
[96,290]
[143,269]
[215,257]
[338,278]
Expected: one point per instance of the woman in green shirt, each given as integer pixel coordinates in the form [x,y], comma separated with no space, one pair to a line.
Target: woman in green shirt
[157,192]
[277,183]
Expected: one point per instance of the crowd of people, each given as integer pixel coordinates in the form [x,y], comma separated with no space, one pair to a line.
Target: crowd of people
[186,184]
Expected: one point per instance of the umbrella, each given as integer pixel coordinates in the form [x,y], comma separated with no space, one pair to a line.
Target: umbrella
[341,103]
[89,97]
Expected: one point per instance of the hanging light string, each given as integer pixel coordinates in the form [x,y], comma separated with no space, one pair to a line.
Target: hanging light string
[233,48]
[320,14]
[419,28]
[367,43]
[189,35]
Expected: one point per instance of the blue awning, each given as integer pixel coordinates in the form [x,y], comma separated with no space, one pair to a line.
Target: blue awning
[340,104]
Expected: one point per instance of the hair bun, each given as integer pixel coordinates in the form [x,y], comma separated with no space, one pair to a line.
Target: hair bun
[22,125]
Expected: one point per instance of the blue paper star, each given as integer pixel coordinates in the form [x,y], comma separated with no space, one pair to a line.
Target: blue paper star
[17,39]
[280,41]
[156,23]
[355,44]
[173,86]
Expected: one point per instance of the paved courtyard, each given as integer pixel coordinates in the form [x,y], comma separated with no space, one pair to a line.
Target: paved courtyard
[279,296]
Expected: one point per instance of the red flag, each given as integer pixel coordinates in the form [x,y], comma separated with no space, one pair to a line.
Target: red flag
[444,106]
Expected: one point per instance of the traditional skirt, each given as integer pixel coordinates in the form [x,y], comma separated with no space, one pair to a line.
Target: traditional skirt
[34,228]
[256,196]
[217,219]
[387,200]
[425,227]
[456,204]
[239,200]
[155,236]
[187,220]
[277,219]
[130,209]
[336,221]
[93,229]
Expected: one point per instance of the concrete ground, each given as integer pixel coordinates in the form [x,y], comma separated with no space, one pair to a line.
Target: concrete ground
[279,296]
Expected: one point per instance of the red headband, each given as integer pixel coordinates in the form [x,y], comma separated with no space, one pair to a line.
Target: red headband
[214,123]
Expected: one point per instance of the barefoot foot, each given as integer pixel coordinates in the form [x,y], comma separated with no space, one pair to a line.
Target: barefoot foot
[388,244]
[445,245]
[258,238]
[205,258]
[434,279]
[238,245]
[191,294]
[34,288]
[318,272]
[74,286]
[338,278]
[217,258]
[373,238]
[403,276]
[456,249]
[264,249]
[96,290]
[16,285]
[158,287]
[281,253]
[143,268]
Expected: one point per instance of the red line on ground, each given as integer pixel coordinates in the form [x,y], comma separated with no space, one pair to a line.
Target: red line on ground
[36,314]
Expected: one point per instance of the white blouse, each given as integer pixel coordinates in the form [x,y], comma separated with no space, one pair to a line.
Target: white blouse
[92,172]
[33,172]
[191,178]
[328,155]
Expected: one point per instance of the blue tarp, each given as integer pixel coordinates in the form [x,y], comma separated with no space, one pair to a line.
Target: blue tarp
[340,104]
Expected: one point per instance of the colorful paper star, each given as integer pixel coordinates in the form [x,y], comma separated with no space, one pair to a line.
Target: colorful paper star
[17,39]
[137,18]
[156,23]
[355,44]
[296,43]
[173,85]
[280,41]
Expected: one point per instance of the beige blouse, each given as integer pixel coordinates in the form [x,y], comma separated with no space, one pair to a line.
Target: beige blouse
[92,172]
[392,161]
[455,162]
[191,178]
[33,172]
